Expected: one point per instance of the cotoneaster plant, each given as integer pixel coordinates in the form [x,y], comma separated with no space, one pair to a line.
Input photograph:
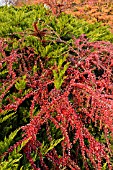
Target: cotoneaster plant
[57,90]
[70,105]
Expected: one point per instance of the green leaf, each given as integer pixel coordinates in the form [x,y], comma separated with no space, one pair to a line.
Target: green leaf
[104,166]
[59,73]
[21,84]
[4,145]
[6,117]
[45,148]
[34,69]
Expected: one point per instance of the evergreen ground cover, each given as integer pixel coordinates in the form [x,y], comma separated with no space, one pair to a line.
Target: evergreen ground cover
[56,94]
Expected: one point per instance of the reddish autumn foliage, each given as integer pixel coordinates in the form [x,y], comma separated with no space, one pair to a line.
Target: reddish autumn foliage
[81,111]
[94,11]
[56,6]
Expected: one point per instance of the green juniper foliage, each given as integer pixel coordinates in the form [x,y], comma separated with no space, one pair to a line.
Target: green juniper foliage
[20,85]
[13,160]
[59,73]
[16,20]
[4,145]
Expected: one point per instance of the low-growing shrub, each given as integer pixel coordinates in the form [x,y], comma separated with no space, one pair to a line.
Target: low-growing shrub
[16,20]
[94,11]
[70,105]
[56,95]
